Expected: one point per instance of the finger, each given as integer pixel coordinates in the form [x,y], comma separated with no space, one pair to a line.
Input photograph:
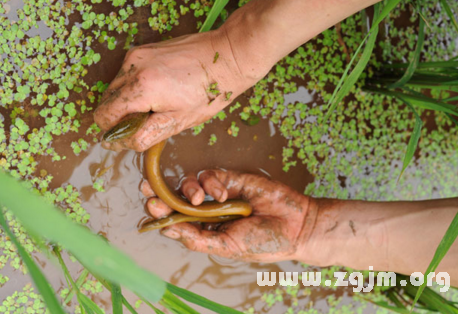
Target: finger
[191,188]
[209,242]
[157,128]
[125,74]
[241,185]
[146,189]
[213,186]
[119,102]
[157,208]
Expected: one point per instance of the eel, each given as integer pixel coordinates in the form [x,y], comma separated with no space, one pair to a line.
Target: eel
[206,212]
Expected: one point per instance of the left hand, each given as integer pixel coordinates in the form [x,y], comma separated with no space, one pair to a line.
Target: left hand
[272,233]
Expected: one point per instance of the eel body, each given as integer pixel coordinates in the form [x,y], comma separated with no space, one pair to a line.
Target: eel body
[206,212]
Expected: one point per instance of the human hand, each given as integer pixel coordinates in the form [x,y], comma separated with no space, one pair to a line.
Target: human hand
[281,222]
[179,80]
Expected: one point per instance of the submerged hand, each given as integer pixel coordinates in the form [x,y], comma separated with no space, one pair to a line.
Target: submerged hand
[281,220]
[180,80]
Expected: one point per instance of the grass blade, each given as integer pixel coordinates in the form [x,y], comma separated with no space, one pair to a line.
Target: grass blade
[354,75]
[155,309]
[418,100]
[452,118]
[99,257]
[454,98]
[414,138]
[215,11]
[116,299]
[338,94]
[171,302]
[449,12]
[415,58]
[199,300]
[89,306]
[389,6]
[109,287]
[424,65]
[450,236]
[78,283]
[39,279]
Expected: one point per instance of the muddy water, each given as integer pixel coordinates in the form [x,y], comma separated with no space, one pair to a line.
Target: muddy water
[116,212]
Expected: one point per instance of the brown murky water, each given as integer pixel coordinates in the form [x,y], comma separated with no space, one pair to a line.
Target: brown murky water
[117,211]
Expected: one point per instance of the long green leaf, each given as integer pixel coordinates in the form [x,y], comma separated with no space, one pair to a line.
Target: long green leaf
[78,283]
[39,279]
[416,55]
[414,138]
[155,309]
[338,94]
[199,300]
[424,65]
[89,306]
[355,74]
[116,299]
[390,5]
[449,12]
[450,236]
[99,257]
[109,287]
[418,100]
[215,11]
[174,304]
[452,118]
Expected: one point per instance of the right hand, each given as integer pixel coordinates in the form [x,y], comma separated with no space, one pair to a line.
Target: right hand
[280,225]
[172,79]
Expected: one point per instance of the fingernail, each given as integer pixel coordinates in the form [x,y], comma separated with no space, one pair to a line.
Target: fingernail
[191,193]
[170,233]
[218,193]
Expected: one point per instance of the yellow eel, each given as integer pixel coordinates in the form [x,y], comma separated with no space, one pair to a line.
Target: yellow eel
[207,212]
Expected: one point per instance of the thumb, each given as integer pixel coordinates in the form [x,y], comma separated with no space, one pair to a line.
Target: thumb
[204,241]
[158,127]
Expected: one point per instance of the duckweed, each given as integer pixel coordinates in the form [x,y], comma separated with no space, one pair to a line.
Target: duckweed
[363,141]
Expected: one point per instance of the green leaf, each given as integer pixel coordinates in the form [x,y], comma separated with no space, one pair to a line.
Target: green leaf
[418,100]
[96,57]
[78,284]
[116,299]
[99,257]
[89,306]
[39,279]
[449,12]
[199,300]
[215,11]
[339,93]
[450,236]
[416,56]
[349,82]
[109,287]
[171,302]
[414,138]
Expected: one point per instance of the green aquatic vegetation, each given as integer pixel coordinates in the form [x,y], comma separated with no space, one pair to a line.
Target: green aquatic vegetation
[79,146]
[212,140]
[233,129]
[100,258]
[98,185]
[27,298]
[213,89]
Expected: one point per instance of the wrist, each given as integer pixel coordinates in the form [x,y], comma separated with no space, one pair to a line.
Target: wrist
[345,233]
